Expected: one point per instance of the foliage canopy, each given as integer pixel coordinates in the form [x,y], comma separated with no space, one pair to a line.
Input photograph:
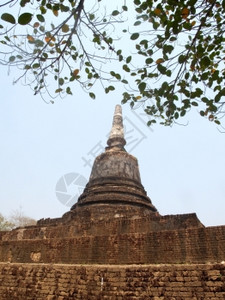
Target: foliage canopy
[174,62]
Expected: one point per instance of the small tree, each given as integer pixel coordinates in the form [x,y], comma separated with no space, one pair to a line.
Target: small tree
[5,225]
[19,219]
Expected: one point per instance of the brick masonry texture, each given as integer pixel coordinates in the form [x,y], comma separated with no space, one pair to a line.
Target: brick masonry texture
[158,282]
[116,241]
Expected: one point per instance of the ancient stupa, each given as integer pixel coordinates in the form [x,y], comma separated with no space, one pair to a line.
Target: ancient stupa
[113,221]
[113,244]
[115,192]
[114,187]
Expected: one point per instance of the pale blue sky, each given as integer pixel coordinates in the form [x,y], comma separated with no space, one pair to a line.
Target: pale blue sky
[182,168]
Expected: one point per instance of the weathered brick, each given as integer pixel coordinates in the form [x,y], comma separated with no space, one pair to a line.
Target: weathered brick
[120,282]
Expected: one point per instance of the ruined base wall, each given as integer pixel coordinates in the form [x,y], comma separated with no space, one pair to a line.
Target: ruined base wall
[65,282]
[95,225]
[196,245]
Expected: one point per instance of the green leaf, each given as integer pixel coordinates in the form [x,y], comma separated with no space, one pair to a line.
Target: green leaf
[205,61]
[39,43]
[120,57]
[168,48]
[90,75]
[151,122]
[217,122]
[49,6]
[40,18]
[64,8]
[168,73]
[165,85]
[137,23]
[218,97]
[91,17]
[36,66]
[205,76]
[173,38]
[43,10]
[68,91]
[92,95]
[176,28]
[8,18]
[144,43]
[128,60]
[25,18]
[204,99]
[12,58]
[42,28]
[115,13]
[181,59]
[161,69]
[194,78]
[65,28]
[24,2]
[148,61]
[109,88]
[183,112]
[61,81]
[126,68]
[202,113]
[134,36]
[142,87]
[116,75]
[187,26]
[187,75]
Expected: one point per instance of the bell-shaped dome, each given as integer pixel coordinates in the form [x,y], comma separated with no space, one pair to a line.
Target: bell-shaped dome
[115,177]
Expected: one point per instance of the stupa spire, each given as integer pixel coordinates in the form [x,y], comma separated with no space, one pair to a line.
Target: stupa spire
[116,139]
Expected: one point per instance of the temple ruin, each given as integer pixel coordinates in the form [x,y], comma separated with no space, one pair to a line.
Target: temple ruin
[114,244]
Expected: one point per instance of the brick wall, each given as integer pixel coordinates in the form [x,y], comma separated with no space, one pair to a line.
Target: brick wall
[197,245]
[62,282]
[84,225]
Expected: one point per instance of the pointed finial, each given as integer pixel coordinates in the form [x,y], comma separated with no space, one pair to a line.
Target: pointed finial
[116,138]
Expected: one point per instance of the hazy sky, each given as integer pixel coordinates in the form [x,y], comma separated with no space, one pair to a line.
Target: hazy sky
[182,168]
